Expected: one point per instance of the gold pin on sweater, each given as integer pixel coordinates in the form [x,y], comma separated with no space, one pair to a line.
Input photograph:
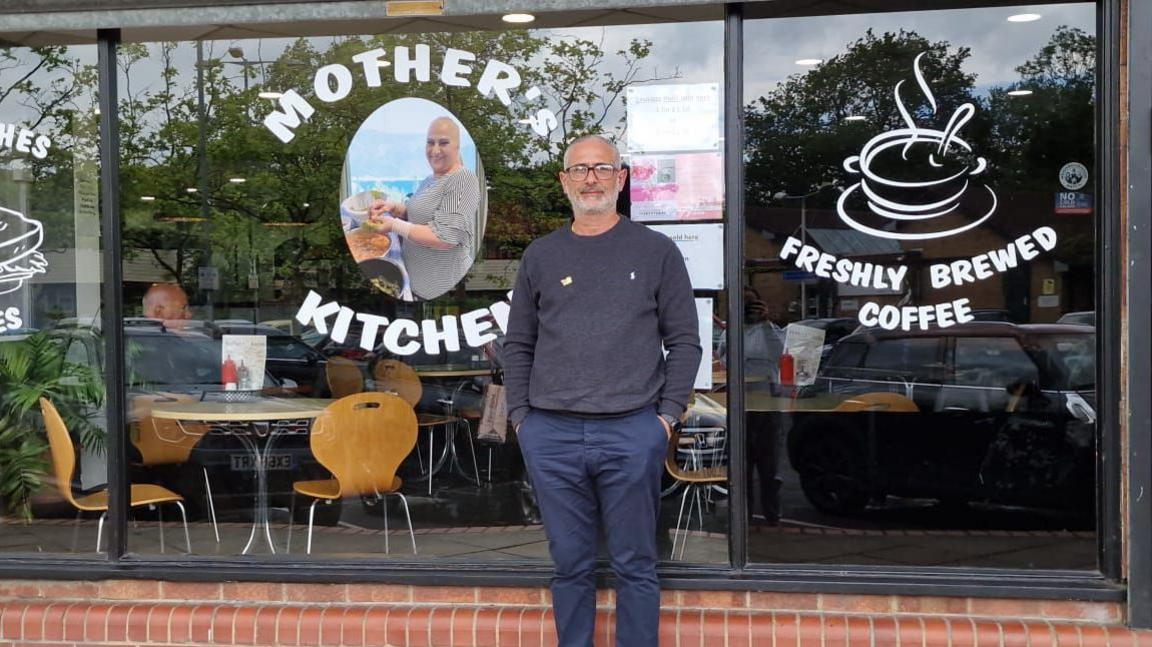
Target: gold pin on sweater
[566,281]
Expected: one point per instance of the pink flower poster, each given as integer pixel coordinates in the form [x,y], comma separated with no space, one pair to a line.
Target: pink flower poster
[683,186]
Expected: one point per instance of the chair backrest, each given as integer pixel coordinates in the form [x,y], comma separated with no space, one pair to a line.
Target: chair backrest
[63,451]
[344,376]
[394,376]
[878,401]
[161,441]
[715,472]
[362,439]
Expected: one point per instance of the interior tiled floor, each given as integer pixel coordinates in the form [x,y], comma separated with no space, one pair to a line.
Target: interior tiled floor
[790,542]
[460,521]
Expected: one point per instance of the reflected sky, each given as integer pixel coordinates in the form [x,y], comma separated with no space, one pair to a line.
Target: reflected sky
[772,46]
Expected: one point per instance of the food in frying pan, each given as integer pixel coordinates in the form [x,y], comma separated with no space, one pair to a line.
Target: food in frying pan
[384,275]
[365,244]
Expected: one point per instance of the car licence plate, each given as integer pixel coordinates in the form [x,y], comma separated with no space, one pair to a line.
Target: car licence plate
[246,462]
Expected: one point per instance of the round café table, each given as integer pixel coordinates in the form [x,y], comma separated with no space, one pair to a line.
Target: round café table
[257,439]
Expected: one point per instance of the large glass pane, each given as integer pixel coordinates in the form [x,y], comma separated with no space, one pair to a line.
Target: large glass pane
[920,261]
[50,302]
[261,285]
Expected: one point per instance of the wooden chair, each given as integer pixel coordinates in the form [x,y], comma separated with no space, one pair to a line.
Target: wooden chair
[877,401]
[704,468]
[361,439]
[64,466]
[168,442]
[344,376]
[394,376]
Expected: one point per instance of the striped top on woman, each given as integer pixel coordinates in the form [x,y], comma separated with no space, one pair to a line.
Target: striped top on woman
[447,204]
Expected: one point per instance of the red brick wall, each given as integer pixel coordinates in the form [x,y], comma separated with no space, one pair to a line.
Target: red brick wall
[142,612]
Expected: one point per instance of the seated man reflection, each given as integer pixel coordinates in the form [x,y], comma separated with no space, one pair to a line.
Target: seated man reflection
[169,303]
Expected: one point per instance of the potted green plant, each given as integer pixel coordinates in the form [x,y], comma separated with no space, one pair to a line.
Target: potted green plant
[32,368]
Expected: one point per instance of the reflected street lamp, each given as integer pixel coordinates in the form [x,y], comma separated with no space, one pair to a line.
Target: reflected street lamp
[803,198]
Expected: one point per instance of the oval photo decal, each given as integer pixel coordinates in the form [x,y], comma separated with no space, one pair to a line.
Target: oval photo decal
[413,202]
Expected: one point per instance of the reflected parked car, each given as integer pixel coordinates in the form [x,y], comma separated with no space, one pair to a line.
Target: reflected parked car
[1081,318]
[835,329]
[991,412]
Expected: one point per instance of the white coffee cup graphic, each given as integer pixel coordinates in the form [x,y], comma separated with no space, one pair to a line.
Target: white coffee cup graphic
[940,157]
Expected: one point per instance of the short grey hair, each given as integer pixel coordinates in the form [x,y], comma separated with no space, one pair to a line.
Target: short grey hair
[598,138]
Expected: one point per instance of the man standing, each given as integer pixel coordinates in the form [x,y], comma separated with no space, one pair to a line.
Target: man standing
[592,395]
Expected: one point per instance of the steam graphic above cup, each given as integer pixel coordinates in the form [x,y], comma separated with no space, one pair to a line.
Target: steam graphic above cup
[940,158]
[20,257]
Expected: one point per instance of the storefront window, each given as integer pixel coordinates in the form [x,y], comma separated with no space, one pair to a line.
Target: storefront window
[50,305]
[266,276]
[919,286]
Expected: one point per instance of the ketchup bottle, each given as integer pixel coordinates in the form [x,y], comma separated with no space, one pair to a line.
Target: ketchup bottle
[787,373]
[228,374]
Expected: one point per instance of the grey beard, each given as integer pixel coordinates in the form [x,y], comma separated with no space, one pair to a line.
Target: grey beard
[609,206]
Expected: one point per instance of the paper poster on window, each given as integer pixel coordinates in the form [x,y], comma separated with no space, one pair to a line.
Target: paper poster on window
[687,186]
[704,320]
[703,248]
[803,343]
[242,360]
[676,117]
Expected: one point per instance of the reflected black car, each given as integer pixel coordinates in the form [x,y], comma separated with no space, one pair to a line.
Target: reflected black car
[835,329]
[1082,318]
[980,412]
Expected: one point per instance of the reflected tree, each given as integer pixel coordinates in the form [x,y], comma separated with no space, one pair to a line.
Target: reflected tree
[799,134]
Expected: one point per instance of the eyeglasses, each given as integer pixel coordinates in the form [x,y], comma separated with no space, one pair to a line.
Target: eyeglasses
[579,172]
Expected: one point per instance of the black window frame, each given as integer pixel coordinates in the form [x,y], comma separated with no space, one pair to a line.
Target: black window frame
[1115,299]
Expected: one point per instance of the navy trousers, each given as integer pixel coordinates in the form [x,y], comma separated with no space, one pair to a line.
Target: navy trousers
[593,474]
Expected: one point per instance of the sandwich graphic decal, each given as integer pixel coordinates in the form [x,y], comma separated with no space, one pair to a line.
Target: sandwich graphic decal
[926,173]
[20,257]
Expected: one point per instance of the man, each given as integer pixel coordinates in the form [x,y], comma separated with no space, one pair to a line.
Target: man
[592,395]
[763,345]
[167,302]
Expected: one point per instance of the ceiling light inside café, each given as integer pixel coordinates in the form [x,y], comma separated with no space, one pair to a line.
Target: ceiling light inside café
[809,61]
[270,95]
[1024,17]
[147,198]
[518,18]
[237,180]
[855,118]
[1019,93]
[167,218]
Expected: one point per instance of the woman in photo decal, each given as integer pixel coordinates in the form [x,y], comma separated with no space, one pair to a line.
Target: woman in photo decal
[437,223]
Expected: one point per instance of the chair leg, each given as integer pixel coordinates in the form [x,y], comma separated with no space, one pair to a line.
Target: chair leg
[100,530]
[160,523]
[408,515]
[472,448]
[677,538]
[311,516]
[291,519]
[431,455]
[184,517]
[384,510]
[76,530]
[211,504]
